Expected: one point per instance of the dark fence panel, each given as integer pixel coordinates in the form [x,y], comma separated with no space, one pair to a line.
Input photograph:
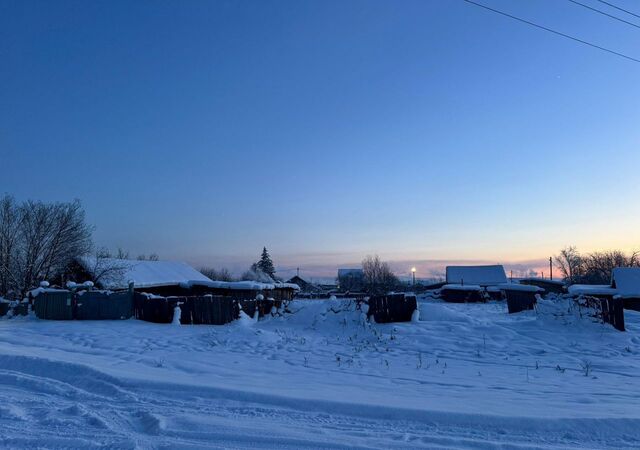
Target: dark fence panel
[392,308]
[613,312]
[152,309]
[206,310]
[56,305]
[262,306]
[4,308]
[97,305]
[518,301]
[608,309]
[462,296]
[632,303]
[194,310]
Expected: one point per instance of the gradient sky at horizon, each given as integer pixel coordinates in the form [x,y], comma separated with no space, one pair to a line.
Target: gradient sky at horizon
[328,130]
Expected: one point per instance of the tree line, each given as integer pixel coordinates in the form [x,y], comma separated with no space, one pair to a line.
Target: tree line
[595,267]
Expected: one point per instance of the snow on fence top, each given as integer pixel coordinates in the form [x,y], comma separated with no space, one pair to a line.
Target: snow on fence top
[480,275]
[514,287]
[461,287]
[626,280]
[591,289]
[147,274]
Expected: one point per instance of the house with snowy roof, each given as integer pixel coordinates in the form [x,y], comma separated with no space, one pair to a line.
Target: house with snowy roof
[167,278]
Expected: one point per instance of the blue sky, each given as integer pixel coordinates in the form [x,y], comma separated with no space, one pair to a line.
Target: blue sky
[418,130]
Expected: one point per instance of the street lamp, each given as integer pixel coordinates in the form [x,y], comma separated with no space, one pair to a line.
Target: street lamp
[413,275]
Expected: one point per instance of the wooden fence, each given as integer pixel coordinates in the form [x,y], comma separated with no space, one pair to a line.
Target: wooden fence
[199,310]
[99,305]
[392,308]
[518,301]
[87,305]
[208,309]
[58,305]
[607,309]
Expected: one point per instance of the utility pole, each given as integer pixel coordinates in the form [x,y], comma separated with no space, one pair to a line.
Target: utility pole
[297,271]
[550,268]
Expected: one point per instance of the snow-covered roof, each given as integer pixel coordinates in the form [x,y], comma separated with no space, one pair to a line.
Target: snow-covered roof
[147,274]
[514,287]
[626,280]
[462,287]
[482,275]
[591,289]
[245,285]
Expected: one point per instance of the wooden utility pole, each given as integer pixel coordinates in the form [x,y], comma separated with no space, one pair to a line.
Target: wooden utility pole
[550,268]
[297,271]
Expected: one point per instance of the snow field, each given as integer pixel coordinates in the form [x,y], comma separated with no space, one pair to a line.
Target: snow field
[464,376]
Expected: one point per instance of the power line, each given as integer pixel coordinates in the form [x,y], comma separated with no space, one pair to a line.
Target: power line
[553,31]
[605,14]
[619,9]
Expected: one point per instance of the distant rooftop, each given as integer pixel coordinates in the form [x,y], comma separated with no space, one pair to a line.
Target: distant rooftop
[347,272]
[479,275]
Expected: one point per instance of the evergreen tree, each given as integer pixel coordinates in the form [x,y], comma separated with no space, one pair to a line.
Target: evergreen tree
[266,264]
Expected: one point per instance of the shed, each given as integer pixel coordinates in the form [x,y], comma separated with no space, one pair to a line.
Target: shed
[626,281]
[480,275]
[459,293]
[555,286]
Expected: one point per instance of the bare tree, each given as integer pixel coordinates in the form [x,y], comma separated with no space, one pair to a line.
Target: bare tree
[104,269]
[122,254]
[570,264]
[9,234]
[593,268]
[598,266]
[38,240]
[217,275]
[378,276]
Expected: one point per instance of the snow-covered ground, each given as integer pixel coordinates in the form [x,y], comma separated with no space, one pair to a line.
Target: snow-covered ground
[465,376]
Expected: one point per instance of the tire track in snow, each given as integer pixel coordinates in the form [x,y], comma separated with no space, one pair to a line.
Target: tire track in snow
[66,405]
